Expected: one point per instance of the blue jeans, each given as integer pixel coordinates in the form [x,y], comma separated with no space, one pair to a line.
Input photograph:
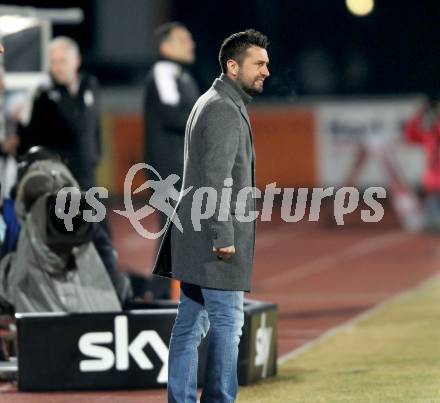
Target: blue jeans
[200,310]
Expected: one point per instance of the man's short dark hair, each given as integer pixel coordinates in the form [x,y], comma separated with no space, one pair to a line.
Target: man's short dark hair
[162,32]
[235,46]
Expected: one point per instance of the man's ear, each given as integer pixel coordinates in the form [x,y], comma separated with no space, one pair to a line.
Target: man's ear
[233,67]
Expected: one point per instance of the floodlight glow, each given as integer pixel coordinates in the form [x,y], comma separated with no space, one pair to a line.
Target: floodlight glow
[10,24]
[360,8]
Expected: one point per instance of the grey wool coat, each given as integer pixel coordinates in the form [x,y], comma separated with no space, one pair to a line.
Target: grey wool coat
[218,146]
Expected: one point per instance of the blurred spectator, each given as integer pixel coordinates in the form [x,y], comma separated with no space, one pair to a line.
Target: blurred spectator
[170,93]
[64,113]
[424,129]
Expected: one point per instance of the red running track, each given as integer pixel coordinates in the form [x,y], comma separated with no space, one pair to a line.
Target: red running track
[319,275]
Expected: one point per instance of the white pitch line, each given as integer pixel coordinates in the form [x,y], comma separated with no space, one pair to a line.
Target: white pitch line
[339,296]
[328,262]
[352,322]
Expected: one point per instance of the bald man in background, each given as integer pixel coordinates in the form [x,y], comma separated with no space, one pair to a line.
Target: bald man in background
[64,115]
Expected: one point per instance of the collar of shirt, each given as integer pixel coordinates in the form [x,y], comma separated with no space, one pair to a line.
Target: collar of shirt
[179,65]
[235,91]
[72,90]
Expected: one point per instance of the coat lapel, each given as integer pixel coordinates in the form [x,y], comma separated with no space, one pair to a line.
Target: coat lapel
[245,114]
[223,85]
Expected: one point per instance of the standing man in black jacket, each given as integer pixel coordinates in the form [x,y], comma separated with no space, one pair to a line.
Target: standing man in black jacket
[64,114]
[170,94]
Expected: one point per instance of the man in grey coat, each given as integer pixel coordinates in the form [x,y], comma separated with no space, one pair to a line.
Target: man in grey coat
[209,243]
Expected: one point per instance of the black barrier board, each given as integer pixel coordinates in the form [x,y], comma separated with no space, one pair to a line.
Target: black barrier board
[258,346]
[94,351]
[126,350]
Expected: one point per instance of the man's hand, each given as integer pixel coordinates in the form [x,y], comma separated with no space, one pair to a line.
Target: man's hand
[224,253]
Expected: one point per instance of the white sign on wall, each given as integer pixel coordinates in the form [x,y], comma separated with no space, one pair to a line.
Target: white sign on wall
[344,127]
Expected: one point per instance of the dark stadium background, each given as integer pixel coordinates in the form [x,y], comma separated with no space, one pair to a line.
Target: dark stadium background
[392,50]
